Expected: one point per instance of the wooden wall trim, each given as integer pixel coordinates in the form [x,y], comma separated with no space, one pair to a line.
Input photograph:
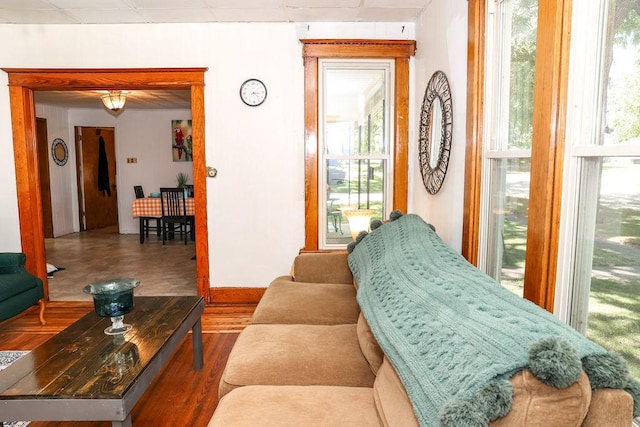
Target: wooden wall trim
[236,295]
[475,115]
[28,182]
[547,153]
[358,48]
[200,190]
[22,82]
[314,49]
[401,143]
[311,152]
[124,78]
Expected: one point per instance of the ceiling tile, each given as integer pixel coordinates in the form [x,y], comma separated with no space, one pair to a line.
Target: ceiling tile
[93,4]
[322,3]
[35,17]
[378,14]
[110,16]
[177,15]
[167,4]
[26,4]
[251,15]
[395,4]
[245,4]
[322,14]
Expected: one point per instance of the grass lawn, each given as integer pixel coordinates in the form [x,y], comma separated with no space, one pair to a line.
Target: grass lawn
[614,304]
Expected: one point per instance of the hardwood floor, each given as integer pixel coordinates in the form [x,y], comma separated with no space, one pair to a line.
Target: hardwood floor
[179,396]
[95,255]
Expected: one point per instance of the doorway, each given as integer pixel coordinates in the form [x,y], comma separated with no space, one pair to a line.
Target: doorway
[96,172]
[22,84]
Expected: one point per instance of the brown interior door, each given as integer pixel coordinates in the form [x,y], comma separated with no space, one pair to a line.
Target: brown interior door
[99,177]
[43,171]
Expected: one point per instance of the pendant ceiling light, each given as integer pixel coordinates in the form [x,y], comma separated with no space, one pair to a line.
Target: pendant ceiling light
[114,100]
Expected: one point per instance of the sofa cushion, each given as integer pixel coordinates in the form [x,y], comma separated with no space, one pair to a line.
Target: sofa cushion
[16,283]
[289,302]
[322,268]
[393,404]
[537,404]
[368,345]
[295,406]
[296,355]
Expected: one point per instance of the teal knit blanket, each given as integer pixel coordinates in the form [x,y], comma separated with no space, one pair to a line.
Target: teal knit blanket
[448,329]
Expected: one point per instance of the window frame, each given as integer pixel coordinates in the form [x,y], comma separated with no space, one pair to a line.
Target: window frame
[547,153]
[326,64]
[312,51]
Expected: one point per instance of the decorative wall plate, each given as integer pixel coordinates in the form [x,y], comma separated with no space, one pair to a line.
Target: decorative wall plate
[59,152]
[436,124]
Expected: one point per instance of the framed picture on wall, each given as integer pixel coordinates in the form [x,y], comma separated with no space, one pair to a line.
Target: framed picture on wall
[181,140]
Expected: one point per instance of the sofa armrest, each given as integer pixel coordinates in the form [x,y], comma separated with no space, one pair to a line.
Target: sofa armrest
[609,407]
[12,262]
[324,267]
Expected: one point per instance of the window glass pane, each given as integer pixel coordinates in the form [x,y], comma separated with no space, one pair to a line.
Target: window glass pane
[353,184]
[606,299]
[355,136]
[508,209]
[621,72]
[517,22]
[355,111]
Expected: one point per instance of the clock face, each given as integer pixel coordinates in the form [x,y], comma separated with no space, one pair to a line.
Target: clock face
[253,92]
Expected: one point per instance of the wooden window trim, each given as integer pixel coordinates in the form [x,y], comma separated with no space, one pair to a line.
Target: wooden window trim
[23,82]
[550,103]
[313,49]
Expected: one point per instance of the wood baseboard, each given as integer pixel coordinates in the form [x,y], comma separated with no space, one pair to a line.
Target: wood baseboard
[236,295]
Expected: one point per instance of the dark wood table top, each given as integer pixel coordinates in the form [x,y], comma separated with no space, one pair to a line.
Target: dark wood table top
[82,362]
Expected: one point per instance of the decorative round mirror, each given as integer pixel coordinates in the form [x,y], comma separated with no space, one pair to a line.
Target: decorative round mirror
[436,123]
[59,152]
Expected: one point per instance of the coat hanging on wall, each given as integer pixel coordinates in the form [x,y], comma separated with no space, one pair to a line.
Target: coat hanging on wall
[103,169]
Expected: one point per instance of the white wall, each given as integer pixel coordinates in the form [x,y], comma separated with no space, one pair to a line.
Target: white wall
[441,38]
[256,204]
[9,223]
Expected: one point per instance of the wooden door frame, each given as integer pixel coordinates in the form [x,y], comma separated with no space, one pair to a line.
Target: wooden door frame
[45,190]
[23,82]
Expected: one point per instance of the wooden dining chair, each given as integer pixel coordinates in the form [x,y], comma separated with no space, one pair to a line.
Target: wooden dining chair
[145,220]
[174,213]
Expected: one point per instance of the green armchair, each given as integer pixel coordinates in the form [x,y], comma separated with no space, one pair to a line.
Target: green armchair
[19,289]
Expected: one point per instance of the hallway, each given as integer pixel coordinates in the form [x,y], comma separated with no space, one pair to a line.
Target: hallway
[96,255]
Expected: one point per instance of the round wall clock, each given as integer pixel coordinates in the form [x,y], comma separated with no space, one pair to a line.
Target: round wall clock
[59,152]
[436,123]
[253,92]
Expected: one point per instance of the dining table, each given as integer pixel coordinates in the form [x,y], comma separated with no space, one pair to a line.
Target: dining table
[151,207]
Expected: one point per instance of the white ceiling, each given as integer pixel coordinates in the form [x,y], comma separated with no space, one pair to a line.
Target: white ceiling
[188,11]
[148,11]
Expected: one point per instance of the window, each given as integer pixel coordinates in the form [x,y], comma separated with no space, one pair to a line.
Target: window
[386,173]
[599,286]
[355,137]
[583,227]
[510,66]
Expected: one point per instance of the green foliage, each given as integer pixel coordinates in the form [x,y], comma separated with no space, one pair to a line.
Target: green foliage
[182,179]
[522,70]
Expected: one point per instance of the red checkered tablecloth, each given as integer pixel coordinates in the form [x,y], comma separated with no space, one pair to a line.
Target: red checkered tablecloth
[152,207]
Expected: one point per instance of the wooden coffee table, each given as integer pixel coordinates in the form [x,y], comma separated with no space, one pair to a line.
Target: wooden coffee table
[82,374]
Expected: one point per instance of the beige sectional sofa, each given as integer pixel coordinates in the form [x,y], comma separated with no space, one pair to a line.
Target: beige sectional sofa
[310,359]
